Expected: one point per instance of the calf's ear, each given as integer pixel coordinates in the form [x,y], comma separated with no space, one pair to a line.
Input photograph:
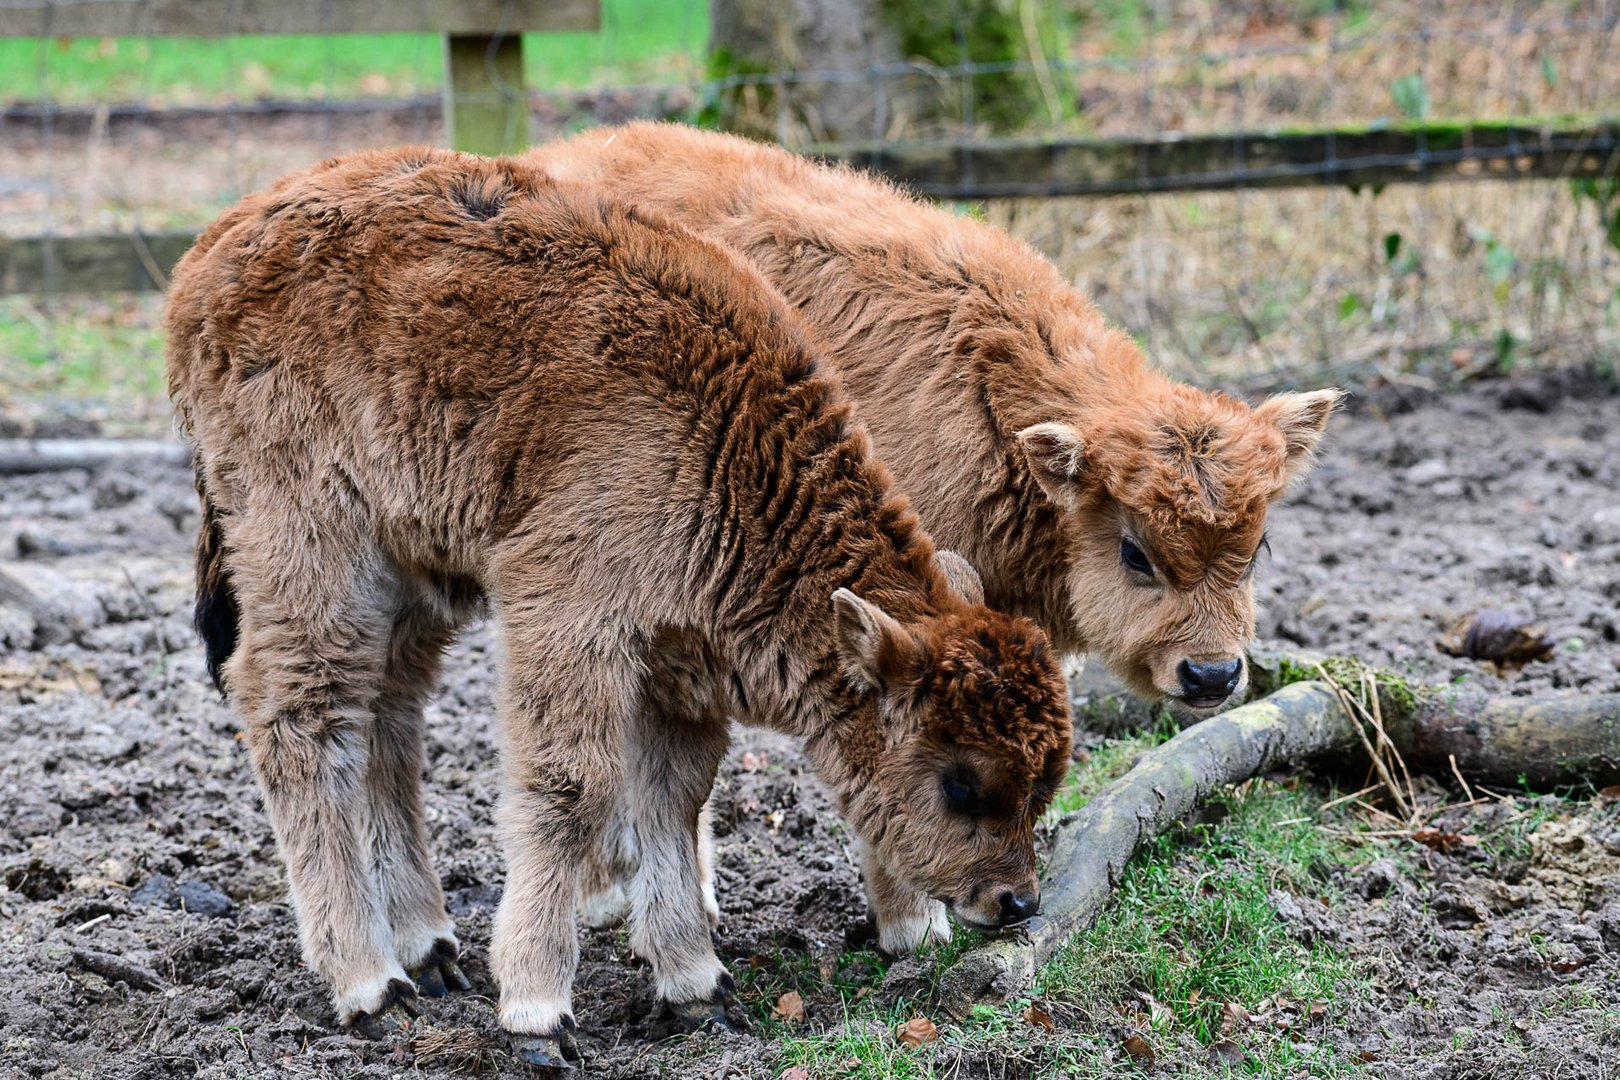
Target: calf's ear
[873,647]
[960,573]
[1056,454]
[1301,418]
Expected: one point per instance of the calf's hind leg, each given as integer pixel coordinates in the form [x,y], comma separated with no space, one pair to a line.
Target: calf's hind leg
[424,935]
[674,755]
[565,707]
[316,608]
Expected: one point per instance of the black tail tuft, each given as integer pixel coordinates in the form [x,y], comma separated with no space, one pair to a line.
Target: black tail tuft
[216,614]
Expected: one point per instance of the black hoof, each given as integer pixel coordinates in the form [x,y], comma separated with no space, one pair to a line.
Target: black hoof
[556,1052]
[704,1014]
[439,974]
[392,1016]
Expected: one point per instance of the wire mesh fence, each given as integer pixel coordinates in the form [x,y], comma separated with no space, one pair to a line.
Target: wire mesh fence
[1231,182]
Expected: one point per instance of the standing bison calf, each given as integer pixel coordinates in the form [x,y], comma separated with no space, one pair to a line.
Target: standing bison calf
[416,379]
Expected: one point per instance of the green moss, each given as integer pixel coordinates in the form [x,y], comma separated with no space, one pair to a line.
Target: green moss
[987,32]
[1397,695]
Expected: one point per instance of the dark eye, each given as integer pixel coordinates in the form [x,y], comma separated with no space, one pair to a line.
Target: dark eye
[1132,556]
[958,791]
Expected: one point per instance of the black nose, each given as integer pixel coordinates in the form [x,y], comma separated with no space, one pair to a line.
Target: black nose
[1018,906]
[1209,679]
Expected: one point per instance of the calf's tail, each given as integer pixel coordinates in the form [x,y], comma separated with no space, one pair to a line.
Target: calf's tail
[216,615]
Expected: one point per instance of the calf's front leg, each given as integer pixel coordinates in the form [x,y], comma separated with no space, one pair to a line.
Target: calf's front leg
[907,920]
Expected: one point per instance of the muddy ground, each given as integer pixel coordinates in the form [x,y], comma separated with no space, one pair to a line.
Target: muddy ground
[142,922]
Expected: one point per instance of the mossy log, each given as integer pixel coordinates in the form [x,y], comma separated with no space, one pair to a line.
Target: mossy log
[1544,741]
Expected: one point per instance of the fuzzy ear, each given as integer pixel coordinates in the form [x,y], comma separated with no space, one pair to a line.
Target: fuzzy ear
[870,643]
[1056,454]
[1301,418]
[960,573]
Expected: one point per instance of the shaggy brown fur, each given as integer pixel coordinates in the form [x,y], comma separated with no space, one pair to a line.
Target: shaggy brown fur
[1029,434]
[415,378]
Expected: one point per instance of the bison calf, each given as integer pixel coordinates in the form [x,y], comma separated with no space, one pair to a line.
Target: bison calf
[416,379]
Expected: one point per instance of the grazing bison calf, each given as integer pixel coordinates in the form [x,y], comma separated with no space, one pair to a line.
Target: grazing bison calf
[418,378]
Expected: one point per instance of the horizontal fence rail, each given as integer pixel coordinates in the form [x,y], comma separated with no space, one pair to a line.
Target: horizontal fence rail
[1013,168]
[199,18]
[485,105]
[987,169]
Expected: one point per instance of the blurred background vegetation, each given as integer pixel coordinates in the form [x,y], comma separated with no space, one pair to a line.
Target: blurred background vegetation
[1425,284]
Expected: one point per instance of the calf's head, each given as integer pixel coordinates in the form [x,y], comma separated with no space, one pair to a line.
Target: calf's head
[1163,502]
[971,742]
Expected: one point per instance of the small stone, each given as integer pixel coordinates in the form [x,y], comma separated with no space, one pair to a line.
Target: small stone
[1379,878]
[1427,472]
[201,898]
[1603,527]
[116,870]
[155,891]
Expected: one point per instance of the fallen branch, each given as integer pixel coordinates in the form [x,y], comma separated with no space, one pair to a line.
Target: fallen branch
[1094,845]
[50,455]
[1544,741]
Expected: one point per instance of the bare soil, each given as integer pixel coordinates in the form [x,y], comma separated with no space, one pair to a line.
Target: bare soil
[142,917]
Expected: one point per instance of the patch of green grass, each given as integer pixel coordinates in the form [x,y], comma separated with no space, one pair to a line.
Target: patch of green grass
[1509,842]
[97,358]
[640,41]
[1193,924]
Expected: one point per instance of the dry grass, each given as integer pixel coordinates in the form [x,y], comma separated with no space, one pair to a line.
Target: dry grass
[1299,285]
[1190,65]
[1272,287]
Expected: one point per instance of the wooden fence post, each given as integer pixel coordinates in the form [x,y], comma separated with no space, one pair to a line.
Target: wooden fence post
[485,108]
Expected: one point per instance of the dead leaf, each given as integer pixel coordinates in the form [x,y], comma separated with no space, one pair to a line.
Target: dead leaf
[1507,640]
[828,967]
[789,1008]
[1228,1053]
[1140,1051]
[798,1072]
[1564,967]
[1036,1016]
[752,762]
[758,962]
[1318,1007]
[1435,840]
[1194,996]
[1610,794]
[862,992]
[1233,1017]
[1365,1057]
[916,1032]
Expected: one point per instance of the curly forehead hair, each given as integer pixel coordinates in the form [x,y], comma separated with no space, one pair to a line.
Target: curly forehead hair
[997,688]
